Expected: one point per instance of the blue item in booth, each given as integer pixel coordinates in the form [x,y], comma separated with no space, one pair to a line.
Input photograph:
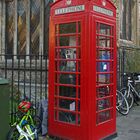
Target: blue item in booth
[104,66]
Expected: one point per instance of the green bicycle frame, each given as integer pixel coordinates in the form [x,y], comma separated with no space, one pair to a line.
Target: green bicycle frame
[27,117]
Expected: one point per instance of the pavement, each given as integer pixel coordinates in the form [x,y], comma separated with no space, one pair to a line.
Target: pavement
[128,127]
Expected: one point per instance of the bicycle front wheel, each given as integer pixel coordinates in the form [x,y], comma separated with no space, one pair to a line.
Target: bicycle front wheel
[13,134]
[129,97]
[31,129]
[121,103]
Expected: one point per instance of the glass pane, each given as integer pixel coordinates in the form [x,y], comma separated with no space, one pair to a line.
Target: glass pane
[46,29]
[67,41]
[104,91]
[66,53]
[78,105]
[103,116]
[79,27]
[102,41]
[67,117]
[78,91]
[9,29]
[66,66]
[104,66]
[21,28]
[104,103]
[78,119]
[67,28]
[97,27]
[67,91]
[67,104]
[35,25]
[104,78]
[105,29]
[103,55]
[67,79]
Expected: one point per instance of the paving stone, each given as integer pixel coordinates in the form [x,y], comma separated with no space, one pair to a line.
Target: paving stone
[128,127]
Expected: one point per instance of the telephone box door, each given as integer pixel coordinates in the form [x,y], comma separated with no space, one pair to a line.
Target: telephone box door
[65,99]
[105,75]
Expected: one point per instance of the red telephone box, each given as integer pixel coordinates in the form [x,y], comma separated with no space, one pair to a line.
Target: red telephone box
[82,70]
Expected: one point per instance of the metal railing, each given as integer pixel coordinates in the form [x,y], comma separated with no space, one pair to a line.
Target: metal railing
[27,75]
[128,62]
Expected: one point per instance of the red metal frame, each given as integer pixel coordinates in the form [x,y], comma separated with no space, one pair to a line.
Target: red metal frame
[82,70]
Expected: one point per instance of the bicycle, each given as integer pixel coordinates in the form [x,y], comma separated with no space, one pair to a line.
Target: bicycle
[129,91]
[121,103]
[24,128]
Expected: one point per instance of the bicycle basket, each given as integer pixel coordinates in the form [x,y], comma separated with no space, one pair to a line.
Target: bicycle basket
[24,106]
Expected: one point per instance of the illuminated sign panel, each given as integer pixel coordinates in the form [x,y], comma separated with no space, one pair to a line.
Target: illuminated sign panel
[71,9]
[102,10]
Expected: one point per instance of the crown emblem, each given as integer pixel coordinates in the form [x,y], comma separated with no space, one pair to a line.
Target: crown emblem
[104,2]
[68,2]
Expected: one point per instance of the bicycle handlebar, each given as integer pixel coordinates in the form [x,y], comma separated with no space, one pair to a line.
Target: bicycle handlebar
[131,76]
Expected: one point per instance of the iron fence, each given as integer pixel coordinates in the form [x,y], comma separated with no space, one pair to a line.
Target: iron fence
[128,62]
[28,76]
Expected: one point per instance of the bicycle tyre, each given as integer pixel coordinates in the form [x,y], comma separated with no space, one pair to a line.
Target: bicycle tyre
[12,132]
[129,98]
[37,122]
[121,103]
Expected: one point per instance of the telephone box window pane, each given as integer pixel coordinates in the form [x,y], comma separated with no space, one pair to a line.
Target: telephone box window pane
[78,79]
[56,41]
[67,28]
[56,102]
[78,105]
[104,66]
[103,116]
[104,79]
[67,79]
[67,53]
[104,42]
[78,119]
[67,41]
[67,91]
[67,117]
[67,66]
[78,93]
[105,29]
[56,78]
[56,90]
[97,27]
[104,104]
[103,55]
[104,91]
[79,27]
[79,41]
[56,29]
[67,104]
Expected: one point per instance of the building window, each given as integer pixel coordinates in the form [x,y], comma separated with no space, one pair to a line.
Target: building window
[21,31]
[126,19]
[27,28]
[9,44]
